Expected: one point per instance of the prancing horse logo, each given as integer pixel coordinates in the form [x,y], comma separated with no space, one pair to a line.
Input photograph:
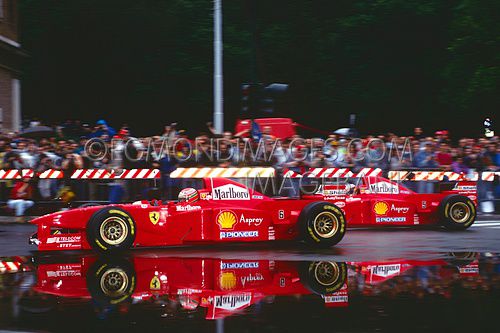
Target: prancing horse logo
[154,217]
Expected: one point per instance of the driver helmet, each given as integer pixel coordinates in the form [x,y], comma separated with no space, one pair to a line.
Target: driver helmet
[189,195]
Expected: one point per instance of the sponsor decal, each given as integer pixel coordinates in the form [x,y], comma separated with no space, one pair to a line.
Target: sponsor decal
[472,197]
[154,217]
[227,280]
[186,208]
[63,271]
[384,188]
[340,204]
[239,234]
[271,235]
[335,197]
[251,220]
[205,196]
[416,219]
[337,299]
[399,210]
[391,219]
[251,278]
[239,265]
[255,196]
[189,291]
[226,219]
[386,270]
[230,192]
[232,302]
[435,203]
[380,208]
[424,204]
[459,187]
[352,199]
[155,283]
[469,269]
[63,239]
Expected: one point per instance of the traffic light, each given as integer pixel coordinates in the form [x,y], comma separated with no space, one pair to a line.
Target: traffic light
[272,95]
[257,98]
[250,97]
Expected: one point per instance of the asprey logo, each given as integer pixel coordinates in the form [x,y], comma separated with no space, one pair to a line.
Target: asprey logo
[226,219]
[380,208]
[230,192]
[251,220]
[399,210]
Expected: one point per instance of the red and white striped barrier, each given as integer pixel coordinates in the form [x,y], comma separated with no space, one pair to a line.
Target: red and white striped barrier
[9,266]
[287,173]
[222,172]
[16,174]
[369,172]
[116,174]
[51,174]
[329,173]
[245,172]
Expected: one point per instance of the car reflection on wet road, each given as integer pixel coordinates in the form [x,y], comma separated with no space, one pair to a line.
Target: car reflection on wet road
[152,291]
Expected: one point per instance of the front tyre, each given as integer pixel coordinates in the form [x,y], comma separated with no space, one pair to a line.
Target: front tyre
[111,230]
[111,280]
[457,212]
[323,277]
[322,224]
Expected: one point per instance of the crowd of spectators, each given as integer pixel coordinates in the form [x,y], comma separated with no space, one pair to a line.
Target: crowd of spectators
[64,147]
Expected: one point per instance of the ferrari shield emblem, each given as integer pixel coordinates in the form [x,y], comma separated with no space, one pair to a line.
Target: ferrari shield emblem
[154,217]
[155,283]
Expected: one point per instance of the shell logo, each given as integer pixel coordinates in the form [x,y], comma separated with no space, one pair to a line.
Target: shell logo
[226,219]
[380,208]
[227,280]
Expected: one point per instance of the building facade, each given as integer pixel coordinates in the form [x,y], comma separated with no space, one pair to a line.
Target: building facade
[11,57]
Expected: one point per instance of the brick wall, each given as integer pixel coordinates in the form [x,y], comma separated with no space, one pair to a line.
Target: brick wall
[8,23]
[6,98]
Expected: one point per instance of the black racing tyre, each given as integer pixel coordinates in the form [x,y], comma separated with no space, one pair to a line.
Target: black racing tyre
[457,212]
[89,204]
[461,258]
[111,230]
[322,224]
[323,277]
[111,280]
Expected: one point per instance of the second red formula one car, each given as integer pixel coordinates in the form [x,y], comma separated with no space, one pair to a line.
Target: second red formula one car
[225,211]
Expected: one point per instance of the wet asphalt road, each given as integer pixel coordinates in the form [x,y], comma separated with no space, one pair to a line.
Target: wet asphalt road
[358,244]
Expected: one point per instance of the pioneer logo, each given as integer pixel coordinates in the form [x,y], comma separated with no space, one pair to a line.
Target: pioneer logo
[230,192]
[239,265]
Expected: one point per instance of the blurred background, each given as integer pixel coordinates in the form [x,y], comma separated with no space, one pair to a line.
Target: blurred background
[394,63]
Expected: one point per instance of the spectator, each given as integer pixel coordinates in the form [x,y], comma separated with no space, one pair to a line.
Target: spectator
[20,198]
[425,158]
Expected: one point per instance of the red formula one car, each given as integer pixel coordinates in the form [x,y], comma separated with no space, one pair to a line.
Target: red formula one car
[222,286]
[225,211]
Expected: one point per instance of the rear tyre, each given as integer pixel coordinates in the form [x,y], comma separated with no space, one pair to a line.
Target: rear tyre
[111,281]
[322,224]
[457,212]
[111,230]
[323,277]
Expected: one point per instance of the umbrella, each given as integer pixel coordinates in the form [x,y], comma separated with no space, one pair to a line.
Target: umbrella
[346,131]
[37,132]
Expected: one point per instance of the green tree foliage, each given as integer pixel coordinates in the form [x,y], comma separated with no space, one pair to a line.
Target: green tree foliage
[395,63]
